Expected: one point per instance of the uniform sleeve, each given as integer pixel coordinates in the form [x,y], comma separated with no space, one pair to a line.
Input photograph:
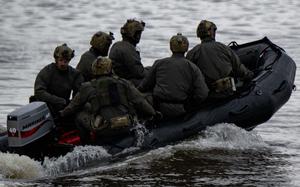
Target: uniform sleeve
[149,81]
[73,106]
[41,92]
[190,56]
[193,55]
[139,103]
[132,60]
[81,67]
[79,100]
[201,90]
[239,69]
[84,66]
[78,80]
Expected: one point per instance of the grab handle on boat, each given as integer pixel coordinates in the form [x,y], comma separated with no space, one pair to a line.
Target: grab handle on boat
[233,44]
[281,87]
[240,111]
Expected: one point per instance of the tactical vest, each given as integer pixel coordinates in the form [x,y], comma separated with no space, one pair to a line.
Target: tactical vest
[111,104]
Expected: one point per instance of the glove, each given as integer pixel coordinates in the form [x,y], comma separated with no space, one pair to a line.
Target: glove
[61,104]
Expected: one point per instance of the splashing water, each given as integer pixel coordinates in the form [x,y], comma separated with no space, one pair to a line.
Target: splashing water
[140,131]
[78,158]
[14,166]
[229,136]
[221,136]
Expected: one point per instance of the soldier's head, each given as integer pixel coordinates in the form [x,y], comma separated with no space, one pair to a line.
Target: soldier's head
[206,29]
[132,30]
[102,41]
[179,43]
[102,66]
[62,55]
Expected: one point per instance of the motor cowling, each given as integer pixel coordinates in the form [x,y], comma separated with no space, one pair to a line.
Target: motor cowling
[28,124]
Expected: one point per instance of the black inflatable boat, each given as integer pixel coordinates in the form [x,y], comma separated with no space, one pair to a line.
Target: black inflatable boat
[254,104]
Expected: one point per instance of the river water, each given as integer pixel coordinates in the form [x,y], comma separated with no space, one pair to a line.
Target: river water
[223,155]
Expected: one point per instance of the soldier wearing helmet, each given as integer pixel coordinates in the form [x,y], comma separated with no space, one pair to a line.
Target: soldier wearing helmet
[55,82]
[206,29]
[179,44]
[219,64]
[111,104]
[175,82]
[126,59]
[100,43]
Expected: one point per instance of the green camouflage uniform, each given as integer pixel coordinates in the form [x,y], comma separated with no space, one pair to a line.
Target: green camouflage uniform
[100,43]
[176,83]
[127,62]
[108,97]
[217,61]
[54,86]
[111,96]
[125,58]
[85,63]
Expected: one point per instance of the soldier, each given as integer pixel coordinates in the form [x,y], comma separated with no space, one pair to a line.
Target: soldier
[100,43]
[125,58]
[175,81]
[110,104]
[219,64]
[55,82]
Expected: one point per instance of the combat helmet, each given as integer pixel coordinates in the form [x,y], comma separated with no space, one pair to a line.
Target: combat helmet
[102,41]
[63,51]
[204,28]
[132,26]
[179,43]
[101,66]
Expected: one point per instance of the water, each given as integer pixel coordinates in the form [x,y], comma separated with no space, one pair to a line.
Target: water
[223,155]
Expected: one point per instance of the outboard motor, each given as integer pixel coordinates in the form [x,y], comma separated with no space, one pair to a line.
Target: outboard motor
[28,124]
